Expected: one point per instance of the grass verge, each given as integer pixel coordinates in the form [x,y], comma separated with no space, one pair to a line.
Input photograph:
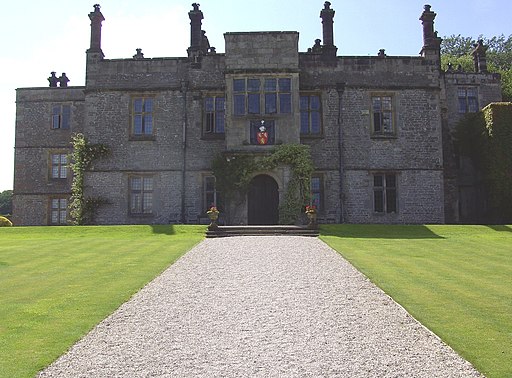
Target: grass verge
[57,283]
[456,280]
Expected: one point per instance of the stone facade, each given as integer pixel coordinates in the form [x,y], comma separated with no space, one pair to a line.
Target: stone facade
[379,129]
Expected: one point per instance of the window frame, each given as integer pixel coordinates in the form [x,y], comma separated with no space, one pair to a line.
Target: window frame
[387,192]
[321,194]
[60,116]
[143,114]
[212,117]
[469,106]
[392,115]
[61,168]
[309,111]
[255,99]
[141,192]
[59,211]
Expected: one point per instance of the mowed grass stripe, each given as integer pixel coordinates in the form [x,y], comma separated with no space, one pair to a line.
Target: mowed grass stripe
[56,283]
[457,280]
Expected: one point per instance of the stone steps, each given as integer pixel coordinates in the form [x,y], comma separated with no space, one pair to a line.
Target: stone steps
[273,230]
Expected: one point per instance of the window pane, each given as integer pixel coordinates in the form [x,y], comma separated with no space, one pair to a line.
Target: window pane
[377,122]
[387,125]
[148,183]
[386,103]
[63,172]
[285,85]
[137,124]
[63,159]
[270,103]
[376,104]
[239,85]
[461,92]
[148,105]
[315,123]
[55,203]
[391,200]
[219,104]
[148,124]
[304,122]
[285,103]
[270,85]
[148,203]
[378,201]
[219,122]
[239,104]
[315,102]
[55,121]
[136,183]
[209,123]
[55,171]
[55,217]
[473,105]
[137,105]
[315,184]
[315,200]
[208,104]
[390,181]
[63,203]
[62,217]
[253,85]
[304,103]
[378,181]
[462,105]
[136,203]
[209,184]
[254,103]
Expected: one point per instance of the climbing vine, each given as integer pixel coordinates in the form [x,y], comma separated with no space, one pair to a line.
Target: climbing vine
[486,137]
[82,209]
[233,176]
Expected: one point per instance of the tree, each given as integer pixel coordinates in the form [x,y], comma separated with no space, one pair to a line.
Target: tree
[456,50]
[6,202]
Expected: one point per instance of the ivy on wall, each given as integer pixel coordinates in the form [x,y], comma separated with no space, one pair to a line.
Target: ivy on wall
[233,176]
[486,137]
[82,209]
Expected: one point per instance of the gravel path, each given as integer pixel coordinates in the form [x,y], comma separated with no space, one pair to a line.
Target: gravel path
[260,307]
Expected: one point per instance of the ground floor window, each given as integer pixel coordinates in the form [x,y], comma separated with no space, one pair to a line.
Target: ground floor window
[58,211]
[384,193]
[141,195]
[317,192]
[211,196]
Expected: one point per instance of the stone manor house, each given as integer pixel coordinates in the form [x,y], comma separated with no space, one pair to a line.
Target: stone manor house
[379,128]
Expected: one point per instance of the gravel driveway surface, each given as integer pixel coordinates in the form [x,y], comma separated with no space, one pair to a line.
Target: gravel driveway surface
[276,306]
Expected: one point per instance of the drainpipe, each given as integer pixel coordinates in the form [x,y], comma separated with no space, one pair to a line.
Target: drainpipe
[184,148]
[340,88]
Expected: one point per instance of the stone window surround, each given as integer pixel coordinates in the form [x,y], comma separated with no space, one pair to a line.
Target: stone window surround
[144,96]
[321,133]
[383,189]
[262,92]
[383,134]
[214,134]
[57,210]
[142,191]
[61,174]
[60,116]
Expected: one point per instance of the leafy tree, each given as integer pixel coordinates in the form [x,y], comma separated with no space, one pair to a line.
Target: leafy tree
[456,50]
[6,202]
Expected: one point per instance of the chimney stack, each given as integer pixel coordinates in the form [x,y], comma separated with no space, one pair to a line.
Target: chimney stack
[196,35]
[327,16]
[430,39]
[96,20]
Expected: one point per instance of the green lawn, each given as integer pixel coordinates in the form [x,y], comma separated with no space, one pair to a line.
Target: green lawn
[56,283]
[456,280]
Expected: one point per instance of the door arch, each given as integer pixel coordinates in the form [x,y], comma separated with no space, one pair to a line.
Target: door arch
[263,201]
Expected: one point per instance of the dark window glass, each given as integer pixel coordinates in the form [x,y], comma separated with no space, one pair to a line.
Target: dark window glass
[270,85]
[142,116]
[254,103]
[239,85]
[285,85]
[270,103]
[382,107]
[141,195]
[384,193]
[214,115]
[253,85]
[310,116]
[61,116]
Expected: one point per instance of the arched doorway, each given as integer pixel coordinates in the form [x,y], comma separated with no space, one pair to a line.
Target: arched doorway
[263,201]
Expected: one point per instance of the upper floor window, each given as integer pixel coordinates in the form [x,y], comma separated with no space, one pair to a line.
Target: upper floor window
[142,116]
[214,115]
[58,211]
[141,195]
[468,100]
[382,115]
[384,193]
[310,116]
[59,166]
[266,95]
[61,116]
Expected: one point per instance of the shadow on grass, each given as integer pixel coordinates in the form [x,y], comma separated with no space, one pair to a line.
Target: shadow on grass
[500,228]
[367,231]
[167,229]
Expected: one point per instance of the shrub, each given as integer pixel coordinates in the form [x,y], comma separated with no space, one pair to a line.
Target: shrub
[4,222]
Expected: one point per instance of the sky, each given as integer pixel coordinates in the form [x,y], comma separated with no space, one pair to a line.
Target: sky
[42,36]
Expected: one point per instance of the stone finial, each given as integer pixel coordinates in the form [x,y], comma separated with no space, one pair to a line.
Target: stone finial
[63,80]
[427,7]
[96,7]
[382,53]
[139,54]
[53,80]
[327,5]
[479,56]
[195,6]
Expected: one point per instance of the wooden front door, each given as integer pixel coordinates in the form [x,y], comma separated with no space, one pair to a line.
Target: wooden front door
[263,201]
